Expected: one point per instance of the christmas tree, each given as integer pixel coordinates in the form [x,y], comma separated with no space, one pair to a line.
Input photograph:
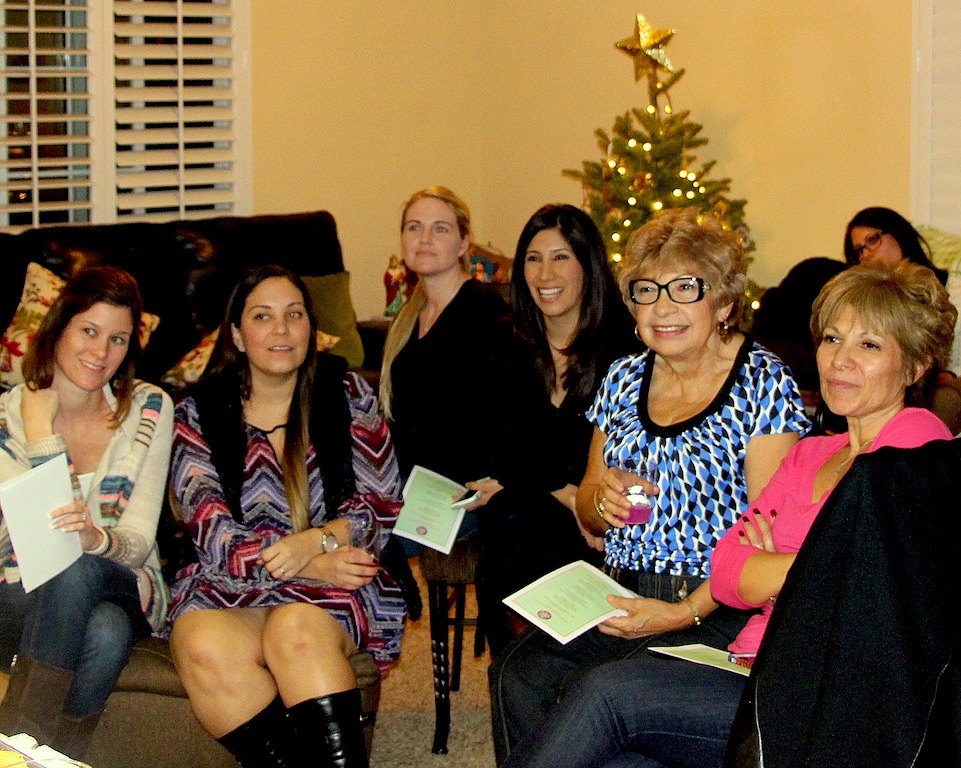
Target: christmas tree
[648,161]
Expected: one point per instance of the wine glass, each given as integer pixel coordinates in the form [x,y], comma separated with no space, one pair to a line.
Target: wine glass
[365,536]
[641,504]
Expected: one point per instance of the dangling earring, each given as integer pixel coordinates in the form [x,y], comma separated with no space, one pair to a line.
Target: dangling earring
[637,334]
[724,329]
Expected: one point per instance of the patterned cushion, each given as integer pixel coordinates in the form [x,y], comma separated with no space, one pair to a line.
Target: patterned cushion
[40,289]
[192,365]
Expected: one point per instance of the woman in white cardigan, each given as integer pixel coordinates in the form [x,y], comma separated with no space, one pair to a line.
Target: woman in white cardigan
[72,636]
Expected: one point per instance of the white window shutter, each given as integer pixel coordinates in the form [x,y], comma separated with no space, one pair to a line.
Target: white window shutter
[45,164]
[123,110]
[175,109]
[936,126]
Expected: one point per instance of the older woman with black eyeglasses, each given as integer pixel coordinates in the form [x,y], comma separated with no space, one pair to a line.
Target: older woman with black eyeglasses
[699,422]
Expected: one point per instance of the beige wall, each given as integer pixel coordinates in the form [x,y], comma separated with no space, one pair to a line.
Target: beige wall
[356,105]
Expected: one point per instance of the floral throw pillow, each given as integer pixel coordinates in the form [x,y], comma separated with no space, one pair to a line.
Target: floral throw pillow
[40,289]
[192,365]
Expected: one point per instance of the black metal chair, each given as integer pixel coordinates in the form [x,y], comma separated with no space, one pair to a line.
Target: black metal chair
[448,577]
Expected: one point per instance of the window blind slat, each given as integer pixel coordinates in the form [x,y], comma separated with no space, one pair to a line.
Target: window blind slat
[171,199]
[166,114]
[146,136]
[169,9]
[78,206]
[171,51]
[127,94]
[172,72]
[171,178]
[164,157]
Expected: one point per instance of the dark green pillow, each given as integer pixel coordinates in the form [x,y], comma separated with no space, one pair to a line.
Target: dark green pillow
[330,296]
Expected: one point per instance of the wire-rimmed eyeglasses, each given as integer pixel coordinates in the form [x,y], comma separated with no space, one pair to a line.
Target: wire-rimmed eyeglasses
[871,242]
[680,290]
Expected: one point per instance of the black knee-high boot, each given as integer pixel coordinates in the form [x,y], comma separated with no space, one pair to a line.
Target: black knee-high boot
[264,741]
[338,718]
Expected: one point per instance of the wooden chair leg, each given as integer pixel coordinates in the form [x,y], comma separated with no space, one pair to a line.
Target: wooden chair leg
[437,607]
[460,592]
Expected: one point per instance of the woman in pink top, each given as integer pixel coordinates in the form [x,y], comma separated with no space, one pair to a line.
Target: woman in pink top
[879,331]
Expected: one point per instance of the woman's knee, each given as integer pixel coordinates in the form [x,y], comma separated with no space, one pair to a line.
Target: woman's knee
[298,630]
[108,635]
[206,645]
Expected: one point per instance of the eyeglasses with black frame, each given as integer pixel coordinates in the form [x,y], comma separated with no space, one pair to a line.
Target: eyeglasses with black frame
[871,242]
[680,290]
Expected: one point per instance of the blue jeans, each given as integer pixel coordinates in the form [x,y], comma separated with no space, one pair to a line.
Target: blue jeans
[534,671]
[85,619]
[645,711]
[468,530]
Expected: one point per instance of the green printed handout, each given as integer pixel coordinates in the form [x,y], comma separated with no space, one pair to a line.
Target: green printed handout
[569,601]
[427,516]
[702,654]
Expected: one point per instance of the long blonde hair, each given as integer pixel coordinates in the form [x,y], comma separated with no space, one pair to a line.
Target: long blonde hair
[403,325]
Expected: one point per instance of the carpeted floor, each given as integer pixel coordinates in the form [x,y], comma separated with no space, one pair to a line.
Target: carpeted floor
[405,719]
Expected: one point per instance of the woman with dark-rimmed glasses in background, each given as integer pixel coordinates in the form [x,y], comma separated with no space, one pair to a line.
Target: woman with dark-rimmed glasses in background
[880,234]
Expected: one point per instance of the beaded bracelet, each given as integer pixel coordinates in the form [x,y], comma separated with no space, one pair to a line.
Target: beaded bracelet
[599,503]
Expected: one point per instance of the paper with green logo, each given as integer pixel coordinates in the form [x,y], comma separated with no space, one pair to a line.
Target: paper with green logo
[569,601]
[427,516]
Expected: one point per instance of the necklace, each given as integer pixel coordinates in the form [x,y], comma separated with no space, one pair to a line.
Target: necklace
[854,455]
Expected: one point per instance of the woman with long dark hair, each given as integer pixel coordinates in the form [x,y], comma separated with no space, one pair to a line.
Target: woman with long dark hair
[570,325]
[284,472]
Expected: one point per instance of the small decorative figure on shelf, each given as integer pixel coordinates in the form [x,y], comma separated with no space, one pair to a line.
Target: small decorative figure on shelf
[398,284]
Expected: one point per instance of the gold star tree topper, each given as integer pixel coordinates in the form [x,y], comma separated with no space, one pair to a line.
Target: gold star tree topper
[646,47]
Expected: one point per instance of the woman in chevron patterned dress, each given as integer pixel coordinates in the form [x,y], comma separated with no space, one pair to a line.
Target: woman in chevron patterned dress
[281,461]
